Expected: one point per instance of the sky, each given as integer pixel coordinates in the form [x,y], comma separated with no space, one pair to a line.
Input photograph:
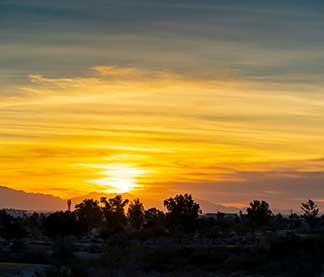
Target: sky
[221,99]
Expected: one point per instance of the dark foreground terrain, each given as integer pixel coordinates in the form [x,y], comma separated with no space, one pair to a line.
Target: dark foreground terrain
[103,240]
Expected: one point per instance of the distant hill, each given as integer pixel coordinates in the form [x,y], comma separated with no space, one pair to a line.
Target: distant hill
[18,199]
[210,207]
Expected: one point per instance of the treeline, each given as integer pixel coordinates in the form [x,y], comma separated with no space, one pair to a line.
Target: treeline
[104,217]
[118,215]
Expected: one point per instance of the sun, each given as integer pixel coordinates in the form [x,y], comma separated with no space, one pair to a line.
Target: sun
[119,178]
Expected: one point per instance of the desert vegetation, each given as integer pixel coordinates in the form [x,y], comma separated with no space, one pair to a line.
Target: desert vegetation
[117,237]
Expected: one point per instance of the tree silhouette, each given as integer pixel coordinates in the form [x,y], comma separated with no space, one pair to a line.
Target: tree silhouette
[259,213]
[136,214]
[114,212]
[154,217]
[182,211]
[310,212]
[89,214]
[61,224]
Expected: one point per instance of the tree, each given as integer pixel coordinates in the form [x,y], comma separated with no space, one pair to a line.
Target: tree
[114,212]
[89,214]
[61,224]
[310,212]
[259,213]
[182,211]
[136,214]
[154,217]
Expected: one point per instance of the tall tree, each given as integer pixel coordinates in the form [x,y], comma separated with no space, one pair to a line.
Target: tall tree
[89,214]
[182,211]
[259,212]
[114,212]
[311,212]
[136,214]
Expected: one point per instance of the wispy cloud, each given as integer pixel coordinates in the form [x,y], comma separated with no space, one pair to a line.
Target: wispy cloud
[220,98]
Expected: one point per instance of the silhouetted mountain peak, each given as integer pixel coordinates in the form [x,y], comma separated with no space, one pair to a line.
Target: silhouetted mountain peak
[18,199]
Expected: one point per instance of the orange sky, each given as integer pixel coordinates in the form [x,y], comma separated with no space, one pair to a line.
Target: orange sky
[122,129]
[221,100]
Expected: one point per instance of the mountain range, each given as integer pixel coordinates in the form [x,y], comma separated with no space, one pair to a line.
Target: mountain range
[21,200]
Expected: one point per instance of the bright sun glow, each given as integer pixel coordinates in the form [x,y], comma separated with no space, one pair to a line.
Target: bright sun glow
[119,178]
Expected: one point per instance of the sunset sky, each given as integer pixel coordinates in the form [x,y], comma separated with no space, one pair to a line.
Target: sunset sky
[221,99]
